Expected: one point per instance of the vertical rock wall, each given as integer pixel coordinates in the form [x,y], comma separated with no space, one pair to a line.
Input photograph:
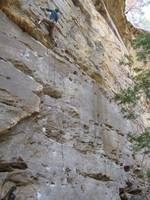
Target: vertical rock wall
[61,133]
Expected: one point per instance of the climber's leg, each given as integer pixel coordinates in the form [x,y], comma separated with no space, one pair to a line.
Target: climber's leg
[49,24]
[43,20]
[40,21]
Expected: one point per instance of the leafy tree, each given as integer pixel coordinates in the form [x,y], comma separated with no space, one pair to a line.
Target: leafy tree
[141,141]
[142,81]
[142,43]
[135,12]
[128,96]
[141,88]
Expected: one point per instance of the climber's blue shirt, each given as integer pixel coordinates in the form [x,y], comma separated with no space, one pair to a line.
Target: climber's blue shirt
[53,15]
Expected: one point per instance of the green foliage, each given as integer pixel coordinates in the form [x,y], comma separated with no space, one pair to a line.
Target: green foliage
[142,42]
[141,141]
[127,96]
[141,88]
[142,81]
[131,115]
[126,60]
[136,69]
[148,175]
[122,62]
[128,113]
[131,96]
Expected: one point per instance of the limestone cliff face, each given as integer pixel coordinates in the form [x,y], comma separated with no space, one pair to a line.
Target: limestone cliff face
[116,10]
[61,133]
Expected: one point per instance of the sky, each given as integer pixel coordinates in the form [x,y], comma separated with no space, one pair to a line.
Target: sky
[138,13]
[147,12]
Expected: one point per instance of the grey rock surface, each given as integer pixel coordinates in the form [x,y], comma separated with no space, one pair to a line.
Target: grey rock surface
[56,107]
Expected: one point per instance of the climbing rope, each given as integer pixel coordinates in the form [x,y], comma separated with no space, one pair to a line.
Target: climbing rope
[54,72]
[60,127]
[59,124]
[66,173]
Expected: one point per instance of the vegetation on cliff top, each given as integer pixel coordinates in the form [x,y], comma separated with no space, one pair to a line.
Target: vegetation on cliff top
[142,43]
[140,90]
[137,92]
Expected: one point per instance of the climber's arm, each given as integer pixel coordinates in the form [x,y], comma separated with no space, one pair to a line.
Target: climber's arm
[49,10]
[46,9]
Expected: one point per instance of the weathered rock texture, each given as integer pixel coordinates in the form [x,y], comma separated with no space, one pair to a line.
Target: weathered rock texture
[57,112]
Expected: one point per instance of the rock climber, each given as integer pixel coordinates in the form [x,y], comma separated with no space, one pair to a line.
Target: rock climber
[53,16]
